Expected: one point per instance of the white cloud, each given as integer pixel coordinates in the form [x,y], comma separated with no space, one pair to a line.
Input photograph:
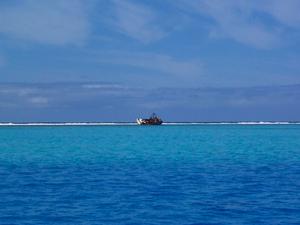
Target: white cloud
[137,21]
[236,20]
[157,62]
[88,103]
[55,22]
[258,23]
[18,91]
[286,12]
[39,100]
[101,86]
[63,22]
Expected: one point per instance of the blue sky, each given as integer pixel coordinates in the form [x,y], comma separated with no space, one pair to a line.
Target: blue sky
[103,60]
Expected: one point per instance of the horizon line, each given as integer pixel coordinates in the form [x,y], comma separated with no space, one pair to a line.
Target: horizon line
[134,123]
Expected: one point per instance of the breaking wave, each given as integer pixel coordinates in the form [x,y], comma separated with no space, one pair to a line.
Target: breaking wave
[132,123]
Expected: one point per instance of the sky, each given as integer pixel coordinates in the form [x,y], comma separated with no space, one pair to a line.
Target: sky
[115,60]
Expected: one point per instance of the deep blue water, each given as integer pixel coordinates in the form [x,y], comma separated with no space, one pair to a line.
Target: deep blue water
[214,174]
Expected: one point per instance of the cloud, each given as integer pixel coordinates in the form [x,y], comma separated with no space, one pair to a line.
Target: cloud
[56,22]
[137,21]
[235,20]
[286,12]
[101,86]
[39,100]
[260,24]
[75,102]
[24,94]
[2,61]
[17,90]
[182,68]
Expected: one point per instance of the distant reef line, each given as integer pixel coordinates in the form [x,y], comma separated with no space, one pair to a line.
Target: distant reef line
[133,123]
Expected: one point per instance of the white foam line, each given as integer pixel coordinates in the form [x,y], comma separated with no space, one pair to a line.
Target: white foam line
[236,123]
[66,124]
[133,124]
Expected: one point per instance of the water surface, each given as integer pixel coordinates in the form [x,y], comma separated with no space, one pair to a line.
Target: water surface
[198,174]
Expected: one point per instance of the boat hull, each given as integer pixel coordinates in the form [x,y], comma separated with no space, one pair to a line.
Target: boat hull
[148,122]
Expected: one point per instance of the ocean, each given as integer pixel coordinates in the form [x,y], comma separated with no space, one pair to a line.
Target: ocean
[126,174]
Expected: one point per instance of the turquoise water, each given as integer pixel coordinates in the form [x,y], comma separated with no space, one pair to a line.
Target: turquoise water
[214,174]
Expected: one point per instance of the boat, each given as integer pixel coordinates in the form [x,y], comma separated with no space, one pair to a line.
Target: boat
[153,120]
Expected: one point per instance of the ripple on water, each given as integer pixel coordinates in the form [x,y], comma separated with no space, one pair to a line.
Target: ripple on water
[158,175]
